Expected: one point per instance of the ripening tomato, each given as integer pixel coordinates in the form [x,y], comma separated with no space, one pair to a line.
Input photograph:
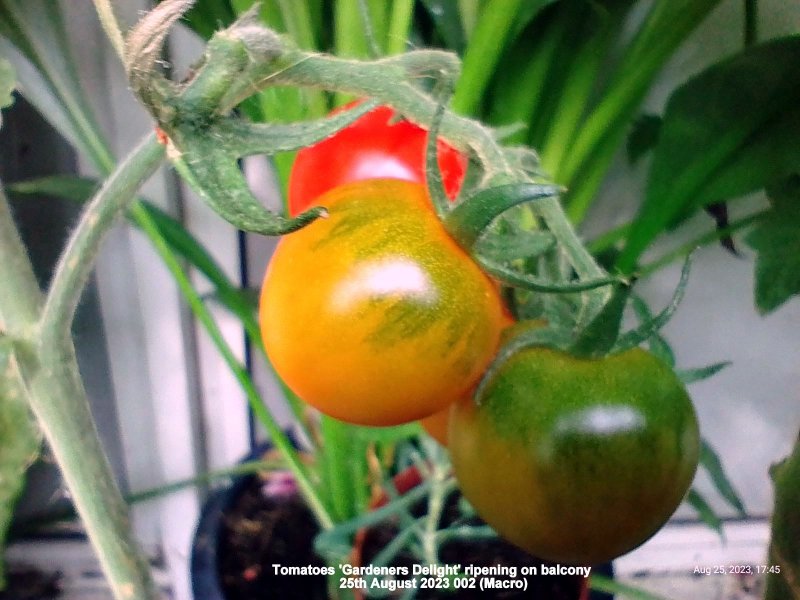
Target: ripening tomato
[374,314]
[375,146]
[576,460]
[437,424]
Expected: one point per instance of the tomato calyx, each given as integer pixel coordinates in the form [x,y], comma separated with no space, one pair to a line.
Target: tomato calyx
[601,337]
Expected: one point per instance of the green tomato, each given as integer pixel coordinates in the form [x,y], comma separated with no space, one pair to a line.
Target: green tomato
[576,460]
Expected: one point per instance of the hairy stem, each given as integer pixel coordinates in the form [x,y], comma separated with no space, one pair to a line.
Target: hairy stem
[59,402]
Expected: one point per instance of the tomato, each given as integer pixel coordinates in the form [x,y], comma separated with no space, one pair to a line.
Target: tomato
[373,147]
[375,315]
[576,460]
[437,424]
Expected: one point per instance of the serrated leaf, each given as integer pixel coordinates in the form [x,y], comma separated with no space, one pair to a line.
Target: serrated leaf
[713,465]
[731,130]
[704,511]
[19,435]
[643,137]
[688,376]
[776,238]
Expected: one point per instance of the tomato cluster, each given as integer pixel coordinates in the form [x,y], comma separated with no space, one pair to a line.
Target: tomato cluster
[375,315]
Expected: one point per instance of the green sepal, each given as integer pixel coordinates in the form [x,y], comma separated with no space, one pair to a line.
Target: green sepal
[521,244]
[242,138]
[602,332]
[657,345]
[513,278]
[470,218]
[641,334]
[689,376]
[433,175]
[215,176]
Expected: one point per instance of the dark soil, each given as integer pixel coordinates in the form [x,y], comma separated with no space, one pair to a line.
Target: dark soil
[260,531]
[24,583]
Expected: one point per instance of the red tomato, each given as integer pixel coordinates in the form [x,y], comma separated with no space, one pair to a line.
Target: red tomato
[374,147]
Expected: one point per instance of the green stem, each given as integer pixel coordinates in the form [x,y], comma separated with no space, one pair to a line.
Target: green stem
[486,44]
[59,402]
[441,487]
[684,250]
[105,12]
[261,412]
[77,260]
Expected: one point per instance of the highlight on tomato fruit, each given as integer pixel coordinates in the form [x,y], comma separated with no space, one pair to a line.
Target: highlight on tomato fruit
[576,460]
[375,315]
[378,145]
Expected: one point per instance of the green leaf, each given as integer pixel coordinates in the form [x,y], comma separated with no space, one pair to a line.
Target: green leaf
[643,137]
[447,20]
[713,465]
[704,511]
[731,130]
[776,238]
[19,438]
[693,375]
[8,82]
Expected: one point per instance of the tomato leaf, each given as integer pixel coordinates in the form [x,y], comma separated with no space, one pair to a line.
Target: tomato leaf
[693,375]
[731,130]
[704,511]
[643,137]
[713,465]
[19,434]
[8,83]
[776,238]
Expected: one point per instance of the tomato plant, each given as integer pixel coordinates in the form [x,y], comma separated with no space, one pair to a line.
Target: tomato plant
[377,145]
[375,315]
[576,460]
